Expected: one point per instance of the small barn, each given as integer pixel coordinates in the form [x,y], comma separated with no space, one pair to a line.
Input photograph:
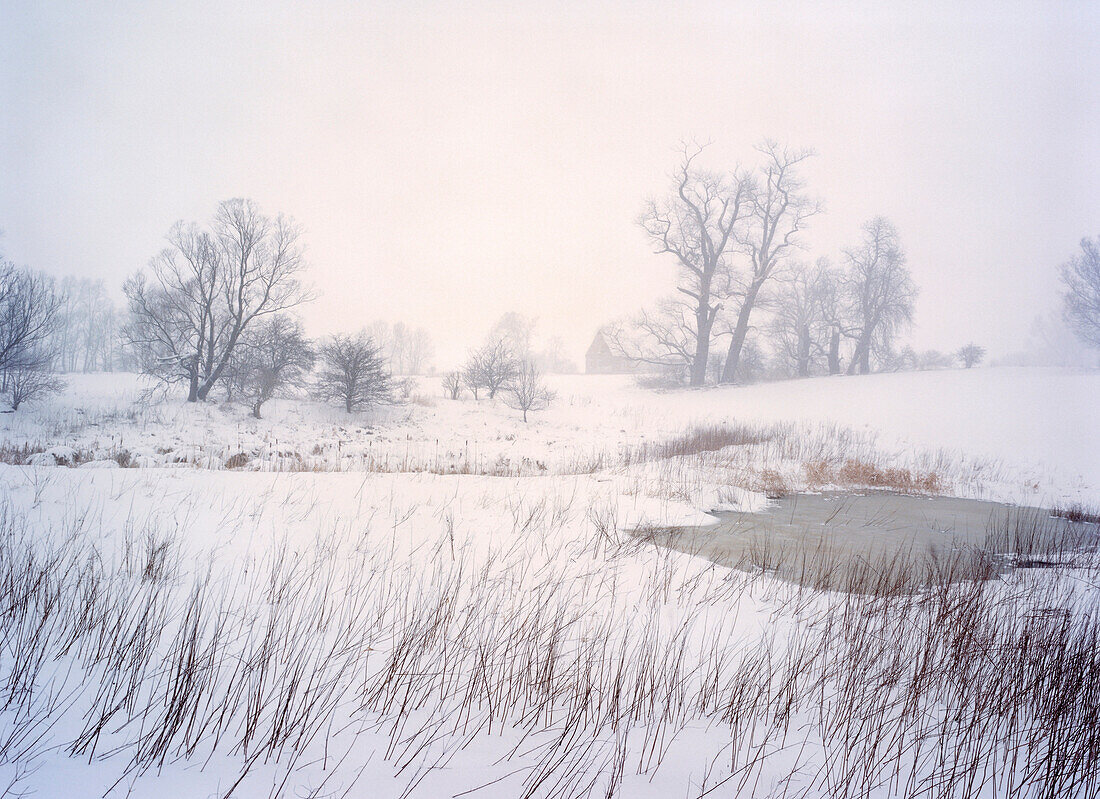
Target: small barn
[601,360]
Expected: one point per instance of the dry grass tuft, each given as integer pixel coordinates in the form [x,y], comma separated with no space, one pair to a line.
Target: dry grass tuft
[699,439]
[856,472]
[773,484]
[18,454]
[238,460]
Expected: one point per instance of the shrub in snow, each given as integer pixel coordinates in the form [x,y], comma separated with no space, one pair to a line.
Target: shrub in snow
[970,355]
[237,461]
[353,372]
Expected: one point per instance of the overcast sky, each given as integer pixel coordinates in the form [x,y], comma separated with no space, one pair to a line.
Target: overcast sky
[450,162]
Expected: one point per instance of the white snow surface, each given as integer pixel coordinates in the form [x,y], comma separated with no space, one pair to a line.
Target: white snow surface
[412,490]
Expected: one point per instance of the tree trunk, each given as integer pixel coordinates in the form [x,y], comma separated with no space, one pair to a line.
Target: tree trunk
[740,331]
[256,411]
[861,358]
[704,320]
[834,352]
[804,351]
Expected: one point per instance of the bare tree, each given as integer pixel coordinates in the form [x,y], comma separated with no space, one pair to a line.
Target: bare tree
[971,355]
[491,367]
[419,351]
[879,292]
[665,337]
[207,287]
[554,358]
[779,211]
[408,351]
[1081,299]
[29,381]
[273,358]
[517,332]
[696,226]
[28,318]
[473,374]
[353,372]
[452,384]
[800,326]
[835,311]
[527,391]
[934,359]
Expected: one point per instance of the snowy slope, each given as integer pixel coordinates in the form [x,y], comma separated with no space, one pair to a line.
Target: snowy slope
[456,603]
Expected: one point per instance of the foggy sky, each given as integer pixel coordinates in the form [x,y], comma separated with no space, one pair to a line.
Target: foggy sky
[450,165]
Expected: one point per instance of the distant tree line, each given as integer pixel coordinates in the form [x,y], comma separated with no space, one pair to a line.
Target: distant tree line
[408,351]
[508,363]
[746,306]
[215,308]
[50,327]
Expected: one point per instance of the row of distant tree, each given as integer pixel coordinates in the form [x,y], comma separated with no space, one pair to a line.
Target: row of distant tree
[216,307]
[746,304]
[509,362]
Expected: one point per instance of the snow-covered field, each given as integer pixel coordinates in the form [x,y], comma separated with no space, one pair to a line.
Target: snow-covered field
[439,600]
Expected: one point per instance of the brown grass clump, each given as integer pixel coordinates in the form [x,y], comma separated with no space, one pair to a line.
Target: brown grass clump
[858,472]
[237,461]
[773,484]
[18,455]
[818,473]
[699,439]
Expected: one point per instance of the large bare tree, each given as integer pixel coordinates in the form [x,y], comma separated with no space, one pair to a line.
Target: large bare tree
[1081,277]
[779,209]
[207,287]
[696,225]
[800,324]
[878,290]
[29,306]
[28,323]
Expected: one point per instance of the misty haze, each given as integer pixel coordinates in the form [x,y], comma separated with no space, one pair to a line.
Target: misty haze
[549,401]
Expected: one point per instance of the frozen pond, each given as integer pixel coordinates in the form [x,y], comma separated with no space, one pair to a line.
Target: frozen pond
[803,533]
